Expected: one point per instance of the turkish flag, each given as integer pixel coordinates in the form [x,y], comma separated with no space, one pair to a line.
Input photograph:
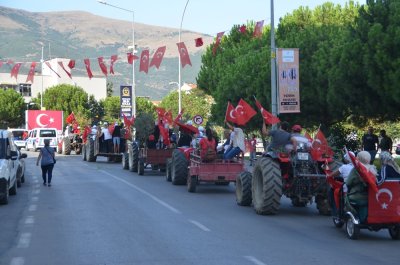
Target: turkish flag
[49,66]
[231,114]
[187,128]
[258,29]
[184,55]
[364,173]
[114,58]
[178,117]
[217,41]
[320,147]
[70,118]
[86,132]
[384,205]
[165,134]
[198,42]
[31,73]
[65,70]
[127,122]
[268,117]
[144,61]
[157,57]
[131,57]
[160,112]
[45,119]
[87,65]
[102,65]
[71,64]
[15,70]
[244,111]
[243,29]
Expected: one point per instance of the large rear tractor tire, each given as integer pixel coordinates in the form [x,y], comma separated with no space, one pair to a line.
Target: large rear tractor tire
[140,167]
[179,168]
[192,183]
[168,170]
[66,146]
[125,161]
[90,151]
[133,157]
[243,188]
[266,186]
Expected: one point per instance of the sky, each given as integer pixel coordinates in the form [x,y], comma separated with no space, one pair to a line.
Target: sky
[204,16]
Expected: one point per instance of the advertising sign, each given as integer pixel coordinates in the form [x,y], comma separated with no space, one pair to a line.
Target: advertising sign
[126,101]
[288,80]
[44,119]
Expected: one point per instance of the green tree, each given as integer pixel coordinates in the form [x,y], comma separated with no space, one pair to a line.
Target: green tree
[112,108]
[12,107]
[110,88]
[143,105]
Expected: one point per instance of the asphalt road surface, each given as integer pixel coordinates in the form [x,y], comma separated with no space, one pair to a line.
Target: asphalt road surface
[98,213]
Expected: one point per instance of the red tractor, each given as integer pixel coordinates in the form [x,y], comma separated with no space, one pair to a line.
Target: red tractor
[296,175]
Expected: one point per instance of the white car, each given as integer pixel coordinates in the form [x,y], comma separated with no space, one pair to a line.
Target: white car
[8,166]
[19,136]
[37,136]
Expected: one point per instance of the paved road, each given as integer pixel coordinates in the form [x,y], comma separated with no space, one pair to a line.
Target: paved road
[97,213]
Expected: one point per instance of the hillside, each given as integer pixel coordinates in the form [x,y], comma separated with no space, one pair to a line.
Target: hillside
[79,35]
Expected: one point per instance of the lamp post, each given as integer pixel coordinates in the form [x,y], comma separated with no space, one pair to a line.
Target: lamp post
[273,66]
[179,63]
[133,52]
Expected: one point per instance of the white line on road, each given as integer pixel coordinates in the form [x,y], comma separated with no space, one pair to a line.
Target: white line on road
[254,260]
[32,208]
[36,191]
[199,225]
[30,220]
[36,181]
[37,186]
[163,203]
[17,261]
[24,240]
[35,198]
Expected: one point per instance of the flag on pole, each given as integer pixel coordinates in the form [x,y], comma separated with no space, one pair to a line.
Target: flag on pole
[157,57]
[31,73]
[258,29]
[269,118]
[49,66]
[87,65]
[102,65]
[144,61]
[15,70]
[184,54]
[65,70]
[131,57]
[244,112]
[114,58]
[217,41]
[198,42]
[71,64]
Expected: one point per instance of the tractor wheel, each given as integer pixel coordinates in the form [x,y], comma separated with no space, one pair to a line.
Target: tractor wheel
[133,157]
[323,205]
[337,222]
[168,170]
[140,167]
[179,168]
[192,183]
[4,199]
[352,229]
[90,151]
[78,149]
[13,190]
[19,178]
[243,188]
[394,232]
[125,160]
[84,152]
[59,148]
[66,146]
[266,186]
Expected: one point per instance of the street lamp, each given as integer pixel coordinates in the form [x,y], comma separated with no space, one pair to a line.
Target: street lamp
[133,51]
[273,66]
[179,62]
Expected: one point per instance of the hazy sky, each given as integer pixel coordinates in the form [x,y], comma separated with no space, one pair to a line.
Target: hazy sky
[205,16]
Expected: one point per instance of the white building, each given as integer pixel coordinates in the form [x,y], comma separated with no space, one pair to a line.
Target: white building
[96,86]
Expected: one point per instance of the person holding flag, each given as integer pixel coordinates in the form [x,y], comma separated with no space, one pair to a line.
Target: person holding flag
[237,140]
[280,138]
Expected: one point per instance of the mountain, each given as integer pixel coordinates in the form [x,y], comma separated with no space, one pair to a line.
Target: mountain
[79,35]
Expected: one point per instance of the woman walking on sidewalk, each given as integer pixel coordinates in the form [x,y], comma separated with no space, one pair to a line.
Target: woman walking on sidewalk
[47,157]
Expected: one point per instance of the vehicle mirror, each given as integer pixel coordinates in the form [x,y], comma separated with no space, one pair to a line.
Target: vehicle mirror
[13,155]
[23,155]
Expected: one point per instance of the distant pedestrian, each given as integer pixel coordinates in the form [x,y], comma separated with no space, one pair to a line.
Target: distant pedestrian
[386,143]
[370,143]
[47,158]
[253,144]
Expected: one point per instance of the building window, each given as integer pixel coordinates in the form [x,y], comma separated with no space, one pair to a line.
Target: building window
[25,90]
[8,86]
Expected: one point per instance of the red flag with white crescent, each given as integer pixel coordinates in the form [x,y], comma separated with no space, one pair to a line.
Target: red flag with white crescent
[384,205]
[131,57]
[217,41]
[320,147]
[31,73]
[157,57]
[144,61]
[114,58]
[258,29]
[49,66]
[15,70]
[230,114]
[87,65]
[268,117]
[65,70]
[102,65]
[184,54]
[244,112]
[70,118]
[45,119]
[71,64]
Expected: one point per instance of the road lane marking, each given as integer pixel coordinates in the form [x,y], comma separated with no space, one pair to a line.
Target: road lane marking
[36,191]
[32,208]
[199,225]
[35,199]
[24,240]
[17,261]
[37,186]
[254,260]
[156,199]
[30,220]
[36,181]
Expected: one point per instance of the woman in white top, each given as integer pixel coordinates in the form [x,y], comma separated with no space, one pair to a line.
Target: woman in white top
[237,141]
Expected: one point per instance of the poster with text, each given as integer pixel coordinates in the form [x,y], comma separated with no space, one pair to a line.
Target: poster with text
[288,80]
[126,101]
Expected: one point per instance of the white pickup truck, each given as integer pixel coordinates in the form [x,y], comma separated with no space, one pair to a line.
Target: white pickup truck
[8,166]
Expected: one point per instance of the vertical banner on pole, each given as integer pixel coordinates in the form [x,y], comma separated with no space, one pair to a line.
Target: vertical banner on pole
[288,80]
[126,101]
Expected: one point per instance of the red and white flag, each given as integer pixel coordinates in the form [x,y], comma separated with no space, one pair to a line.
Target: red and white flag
[179,116]
[320,148]
[258,29]
[102,65]
[15,70]
[144,61]
[363,171]
[245,112]
[114,58]
[243,29]
[268,117]
[87,65]
[31,73]
[70,118]
[131,57]
[218,41]
[45,119]
[198,42]
[157,57]
[184,54]
[231,114]
[71,64]
[49,66]
[65,70]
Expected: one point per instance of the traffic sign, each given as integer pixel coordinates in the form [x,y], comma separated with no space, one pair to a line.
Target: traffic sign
[198,119]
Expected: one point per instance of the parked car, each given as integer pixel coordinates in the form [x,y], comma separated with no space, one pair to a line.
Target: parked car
[8,166]
[37,136]
[20,136]
[21,168]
